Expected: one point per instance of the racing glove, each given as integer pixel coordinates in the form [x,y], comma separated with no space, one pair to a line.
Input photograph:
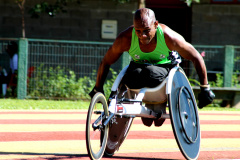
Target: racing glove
[94,91]
[174,57]
[205,96]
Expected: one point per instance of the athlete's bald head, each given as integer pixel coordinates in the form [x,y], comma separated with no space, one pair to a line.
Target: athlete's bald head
[145,25]
[145,15]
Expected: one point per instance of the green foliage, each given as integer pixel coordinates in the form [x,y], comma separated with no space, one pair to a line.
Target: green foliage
[109,82]
[189,2]
[60,6]
[58,83]
[219,81]
[236,79]
[121,1]
[51,9]
[194,82]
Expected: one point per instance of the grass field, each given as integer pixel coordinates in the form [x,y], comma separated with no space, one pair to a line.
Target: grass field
[11,104]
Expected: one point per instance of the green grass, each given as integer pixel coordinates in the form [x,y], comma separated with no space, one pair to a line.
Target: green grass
[11,104]
[16,104]
[209,108]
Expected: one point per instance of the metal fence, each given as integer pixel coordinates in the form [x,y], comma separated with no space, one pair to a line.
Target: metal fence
[237,59]
[84,57]
[214,60]
[80,57]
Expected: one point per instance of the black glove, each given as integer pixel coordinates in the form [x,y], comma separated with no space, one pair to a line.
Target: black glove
[205,97]
[174,57]
[94,91]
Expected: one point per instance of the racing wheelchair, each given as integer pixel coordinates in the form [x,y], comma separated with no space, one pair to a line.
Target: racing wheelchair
[108,123]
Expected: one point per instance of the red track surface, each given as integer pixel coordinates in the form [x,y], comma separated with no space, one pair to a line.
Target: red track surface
[12,136]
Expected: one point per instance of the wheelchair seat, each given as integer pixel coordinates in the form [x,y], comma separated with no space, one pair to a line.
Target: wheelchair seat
[156,95]
[154,98]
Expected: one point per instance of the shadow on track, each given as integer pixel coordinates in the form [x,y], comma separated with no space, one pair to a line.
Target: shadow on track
[134,158]
[56,156]
[59,156]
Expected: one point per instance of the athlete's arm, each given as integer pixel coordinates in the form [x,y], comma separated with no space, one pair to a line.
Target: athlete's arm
[176,42]
[121,44]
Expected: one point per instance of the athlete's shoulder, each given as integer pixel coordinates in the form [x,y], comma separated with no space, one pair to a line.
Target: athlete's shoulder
[123,41]
[125,37]
[127,33]
[172,38]
[164,28]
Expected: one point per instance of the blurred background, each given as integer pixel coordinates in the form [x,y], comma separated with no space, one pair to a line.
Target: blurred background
[65,40]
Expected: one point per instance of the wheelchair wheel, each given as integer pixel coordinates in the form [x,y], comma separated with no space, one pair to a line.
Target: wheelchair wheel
[184,116]
[118,130]
[96,132]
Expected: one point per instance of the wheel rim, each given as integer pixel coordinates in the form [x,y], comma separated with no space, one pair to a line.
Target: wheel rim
[96,133]
[190,147]
[187,115]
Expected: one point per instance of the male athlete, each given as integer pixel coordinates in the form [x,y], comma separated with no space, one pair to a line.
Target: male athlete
[150,44]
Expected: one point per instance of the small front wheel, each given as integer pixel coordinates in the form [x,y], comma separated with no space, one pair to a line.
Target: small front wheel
[96,132]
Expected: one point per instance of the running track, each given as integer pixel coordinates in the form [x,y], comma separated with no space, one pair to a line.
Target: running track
[60,135]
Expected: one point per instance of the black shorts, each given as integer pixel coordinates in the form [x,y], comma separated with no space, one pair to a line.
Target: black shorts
[143,75]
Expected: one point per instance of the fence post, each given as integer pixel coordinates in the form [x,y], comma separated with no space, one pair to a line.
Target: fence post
[228,65]
[22,68]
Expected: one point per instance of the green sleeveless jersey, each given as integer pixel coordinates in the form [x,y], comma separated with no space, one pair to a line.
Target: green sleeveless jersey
[158,56]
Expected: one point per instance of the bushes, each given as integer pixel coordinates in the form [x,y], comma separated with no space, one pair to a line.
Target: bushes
[59,83]
[220,82]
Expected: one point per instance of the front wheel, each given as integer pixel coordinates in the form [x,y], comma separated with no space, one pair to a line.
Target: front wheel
[96,132]
[184,116]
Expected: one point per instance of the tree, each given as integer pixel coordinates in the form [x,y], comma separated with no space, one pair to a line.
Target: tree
[189,2]
[21,4]
[141,3]
[60,5]
[51,9]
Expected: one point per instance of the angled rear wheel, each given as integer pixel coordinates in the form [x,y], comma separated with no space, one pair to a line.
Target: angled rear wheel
[118,129]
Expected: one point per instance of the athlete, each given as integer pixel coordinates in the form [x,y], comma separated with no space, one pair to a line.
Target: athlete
[154,49]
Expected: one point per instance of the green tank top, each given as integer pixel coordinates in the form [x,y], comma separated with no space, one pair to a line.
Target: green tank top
[158,56]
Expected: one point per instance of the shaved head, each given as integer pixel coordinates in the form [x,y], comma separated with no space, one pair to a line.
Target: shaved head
[145,25]
[145,15]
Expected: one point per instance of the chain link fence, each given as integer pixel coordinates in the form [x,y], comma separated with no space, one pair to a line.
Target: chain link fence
[48,57]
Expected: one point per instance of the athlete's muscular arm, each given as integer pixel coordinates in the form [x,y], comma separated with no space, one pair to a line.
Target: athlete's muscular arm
[176,42]
[121,44]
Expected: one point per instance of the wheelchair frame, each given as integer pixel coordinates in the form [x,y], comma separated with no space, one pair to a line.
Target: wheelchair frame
[184,120]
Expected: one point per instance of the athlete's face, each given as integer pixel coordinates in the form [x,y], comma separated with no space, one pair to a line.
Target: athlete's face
[145,30]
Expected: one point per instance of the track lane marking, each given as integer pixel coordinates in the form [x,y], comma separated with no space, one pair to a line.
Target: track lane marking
[77,116]
[129,146]
[81,127]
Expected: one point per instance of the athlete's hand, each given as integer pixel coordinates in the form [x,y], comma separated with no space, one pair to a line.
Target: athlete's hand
[205,97]
[174,57]
[94,91]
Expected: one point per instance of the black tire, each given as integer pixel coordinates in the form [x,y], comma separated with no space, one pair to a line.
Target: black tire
[97,134]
